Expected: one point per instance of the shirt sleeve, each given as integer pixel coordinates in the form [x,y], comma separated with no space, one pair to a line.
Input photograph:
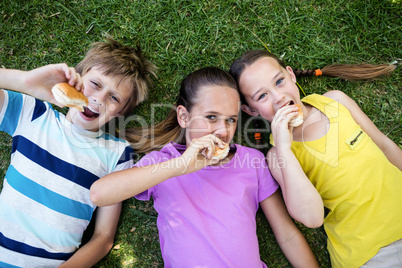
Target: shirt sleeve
[18,108]
[126,159]
[267,185]
[11,111]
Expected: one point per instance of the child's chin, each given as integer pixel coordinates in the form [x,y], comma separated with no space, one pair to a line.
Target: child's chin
[87,123]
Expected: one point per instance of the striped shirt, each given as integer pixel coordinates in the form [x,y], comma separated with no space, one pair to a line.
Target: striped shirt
[45,205]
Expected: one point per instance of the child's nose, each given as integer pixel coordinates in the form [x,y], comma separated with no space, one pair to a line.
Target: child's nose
[100,99]
[277,95]
[221,130]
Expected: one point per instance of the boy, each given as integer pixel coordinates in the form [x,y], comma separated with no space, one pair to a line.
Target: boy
[44,204]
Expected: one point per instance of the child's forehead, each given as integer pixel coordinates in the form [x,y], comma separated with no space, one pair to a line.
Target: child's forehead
[209,91]
[266,62]
[107,75]
[216,97]
[261,71]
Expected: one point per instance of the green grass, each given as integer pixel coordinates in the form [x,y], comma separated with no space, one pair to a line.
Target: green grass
[181,36]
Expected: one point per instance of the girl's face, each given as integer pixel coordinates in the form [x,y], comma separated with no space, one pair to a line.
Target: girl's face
[107,95]
[216,112]
[267,86]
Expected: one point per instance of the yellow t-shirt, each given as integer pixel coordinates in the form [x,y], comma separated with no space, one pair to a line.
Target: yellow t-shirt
[359,186]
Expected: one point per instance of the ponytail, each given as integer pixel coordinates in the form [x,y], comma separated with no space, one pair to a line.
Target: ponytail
[351,72]
[154,137]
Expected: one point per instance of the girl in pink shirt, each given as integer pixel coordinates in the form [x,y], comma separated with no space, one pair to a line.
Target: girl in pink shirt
[206,207]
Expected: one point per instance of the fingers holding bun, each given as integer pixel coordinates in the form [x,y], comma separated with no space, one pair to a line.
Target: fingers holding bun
[219,153]
[298,120]
[69,96]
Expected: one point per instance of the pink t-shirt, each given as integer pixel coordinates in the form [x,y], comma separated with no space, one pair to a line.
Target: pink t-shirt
[207,218]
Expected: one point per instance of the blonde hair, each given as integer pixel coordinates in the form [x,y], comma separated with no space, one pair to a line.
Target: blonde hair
[122,61]
[154,137]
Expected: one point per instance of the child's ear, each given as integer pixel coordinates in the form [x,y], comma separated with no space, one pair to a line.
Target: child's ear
[292,74]
[182,116]
[249,110]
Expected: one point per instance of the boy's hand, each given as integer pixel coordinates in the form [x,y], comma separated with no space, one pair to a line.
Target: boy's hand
[39,82]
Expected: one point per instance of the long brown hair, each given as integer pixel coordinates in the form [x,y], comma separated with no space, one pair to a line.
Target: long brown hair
[154,137]
[350,72]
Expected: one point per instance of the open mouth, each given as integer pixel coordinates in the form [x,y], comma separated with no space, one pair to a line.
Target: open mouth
[88,112]
[287,104]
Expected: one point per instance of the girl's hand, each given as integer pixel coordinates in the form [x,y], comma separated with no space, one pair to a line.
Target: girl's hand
[281,131]
[39,82]
[199,154]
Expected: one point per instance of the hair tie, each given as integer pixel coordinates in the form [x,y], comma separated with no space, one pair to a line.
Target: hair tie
[318,72]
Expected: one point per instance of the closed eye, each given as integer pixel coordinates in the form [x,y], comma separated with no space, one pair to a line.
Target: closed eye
[95,84]
[114,98]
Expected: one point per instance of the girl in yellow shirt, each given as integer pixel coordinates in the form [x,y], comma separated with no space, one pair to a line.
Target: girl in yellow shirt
[336,158]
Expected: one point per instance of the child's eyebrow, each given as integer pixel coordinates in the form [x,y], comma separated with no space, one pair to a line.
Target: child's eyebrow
[273,79]
[256,93]
[278,74]
[216,113]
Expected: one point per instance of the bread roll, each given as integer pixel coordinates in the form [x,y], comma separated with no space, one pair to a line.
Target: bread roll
[69,96]
[219,153]
[298,120]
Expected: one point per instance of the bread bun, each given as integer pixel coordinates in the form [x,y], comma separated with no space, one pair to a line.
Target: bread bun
[219,153]
[69,96]
[298,120]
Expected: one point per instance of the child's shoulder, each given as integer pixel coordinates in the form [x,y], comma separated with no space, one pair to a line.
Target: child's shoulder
[334,98]
[336,95]
[328,96]
[342,98]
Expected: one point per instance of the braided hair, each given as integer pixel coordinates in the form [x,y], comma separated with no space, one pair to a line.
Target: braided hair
[350,72]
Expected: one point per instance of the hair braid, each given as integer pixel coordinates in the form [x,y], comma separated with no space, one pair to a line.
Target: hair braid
[300,73]
[351,72]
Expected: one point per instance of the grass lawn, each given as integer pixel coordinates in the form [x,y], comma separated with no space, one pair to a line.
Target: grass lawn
[181,36]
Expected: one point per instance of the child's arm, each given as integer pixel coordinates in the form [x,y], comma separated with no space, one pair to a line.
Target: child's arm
[118,186]
[39,82]
[389,148]
[290,239]
[101,242]
[302,200]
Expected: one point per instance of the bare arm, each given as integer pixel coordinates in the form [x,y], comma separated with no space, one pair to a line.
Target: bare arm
[121,185]
[118,186]
[288,236]
[387,146]
[102,240]
[39,82]
[302,200]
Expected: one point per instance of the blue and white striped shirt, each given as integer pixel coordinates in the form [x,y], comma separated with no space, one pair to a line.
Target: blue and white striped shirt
[44,204]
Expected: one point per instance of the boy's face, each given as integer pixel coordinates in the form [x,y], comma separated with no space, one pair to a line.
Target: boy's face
[107,95]
[267,87]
